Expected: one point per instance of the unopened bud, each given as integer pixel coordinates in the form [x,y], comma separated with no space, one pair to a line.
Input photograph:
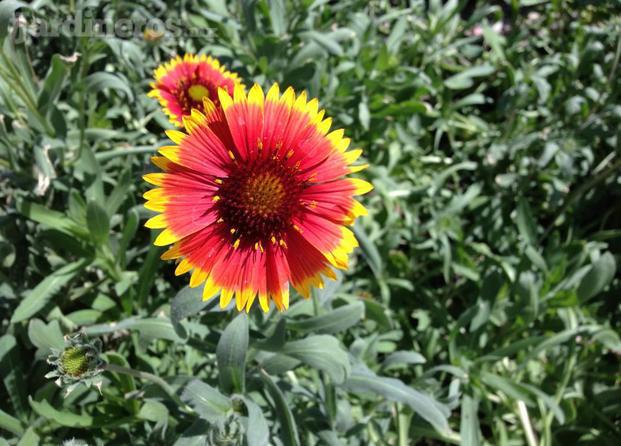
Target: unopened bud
[227,432]
[79,363]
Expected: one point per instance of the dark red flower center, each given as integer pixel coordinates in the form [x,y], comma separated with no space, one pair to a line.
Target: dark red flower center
[258,200]
[190,95]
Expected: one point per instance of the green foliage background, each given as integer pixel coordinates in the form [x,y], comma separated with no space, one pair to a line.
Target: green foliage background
[483,305]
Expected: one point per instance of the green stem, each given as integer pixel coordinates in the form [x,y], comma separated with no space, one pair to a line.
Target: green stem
[149,377]
[567,372]
[615,62]
[531,438]
[329,390]
[402,426]
[330,399]
[374,436]
[546,430]
[104,156]
[82,101]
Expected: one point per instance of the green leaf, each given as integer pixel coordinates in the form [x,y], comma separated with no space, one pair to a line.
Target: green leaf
[446,368]
[42,160]
[119,193]
[206,401]
[364,116]
[371,254]
[526,288]
[51,219]
[283,412]
[257,433]
[10,423]
[98,223]
[470,432]
[481,316]
[364,381]
[310,52]
[151,328]
[52,84]
[336,320]
[124,383]
[195,435]
[526,222]
[547,400]
[277,364]
[275,337]
[278,16]
[153,410]
[46,336]
[536,258]
[555,340]
[608,338]
[156,328]
[327,41]
[329,438]
[147,273]
[393,42]
[187,302]
[411,107]
[40,295]
[511,389]
[511,349]
[129,230]
[231,355]
[13,374]
[471,99]
[375,311]
[322,352]
[440,179]
[464,79]
[30,438]
[103,80]
[402,358]
[69,419]
[495,40]
[599,276]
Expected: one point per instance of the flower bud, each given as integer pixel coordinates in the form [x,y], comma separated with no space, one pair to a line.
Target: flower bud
[74,361]
[227,432]
[152,35]
[79,363]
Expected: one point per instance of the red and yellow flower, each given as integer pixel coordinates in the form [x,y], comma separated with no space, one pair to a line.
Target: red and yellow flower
[255,197]
[182,83]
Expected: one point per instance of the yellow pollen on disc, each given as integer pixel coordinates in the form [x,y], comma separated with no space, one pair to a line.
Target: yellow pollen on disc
[198,92]
[259,200]
[264,193]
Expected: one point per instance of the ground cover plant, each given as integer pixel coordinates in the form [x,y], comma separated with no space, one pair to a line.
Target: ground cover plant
[480,308]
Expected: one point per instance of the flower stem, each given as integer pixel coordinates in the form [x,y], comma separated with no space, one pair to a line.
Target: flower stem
[124,151]
[529,432]
[148,377]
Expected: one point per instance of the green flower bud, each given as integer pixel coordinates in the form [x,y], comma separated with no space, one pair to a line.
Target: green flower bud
[227,432]
[79,363]
[74,361]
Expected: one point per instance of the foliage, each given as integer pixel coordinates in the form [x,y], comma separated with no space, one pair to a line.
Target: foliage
[482,307]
